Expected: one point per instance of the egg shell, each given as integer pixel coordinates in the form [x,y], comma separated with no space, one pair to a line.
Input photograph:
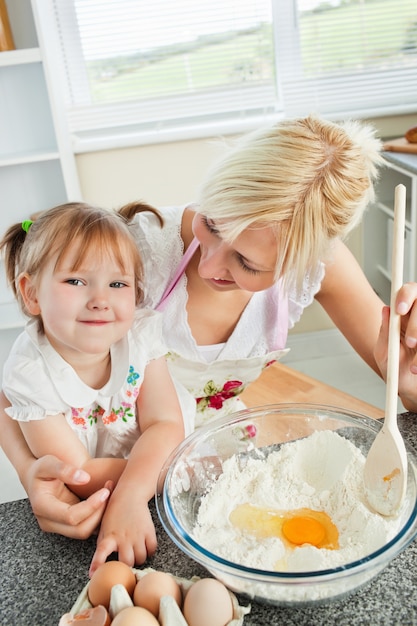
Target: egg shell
[135,616]
[105,577]
[151,588]
[96,616]
[208,603]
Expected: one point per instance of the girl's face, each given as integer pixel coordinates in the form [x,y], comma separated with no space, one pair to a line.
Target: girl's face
[87,310]
[248,263]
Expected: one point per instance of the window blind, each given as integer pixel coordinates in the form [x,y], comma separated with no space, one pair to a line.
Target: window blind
[141,67]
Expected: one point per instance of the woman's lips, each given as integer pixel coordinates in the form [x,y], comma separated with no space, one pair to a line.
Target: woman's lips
[221,281]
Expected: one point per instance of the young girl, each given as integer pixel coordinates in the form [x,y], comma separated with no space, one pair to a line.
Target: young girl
[87,379]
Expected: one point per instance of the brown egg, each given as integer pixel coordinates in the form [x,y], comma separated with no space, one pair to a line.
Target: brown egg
[208,603]
[150,589]
[105,577]
[135,616]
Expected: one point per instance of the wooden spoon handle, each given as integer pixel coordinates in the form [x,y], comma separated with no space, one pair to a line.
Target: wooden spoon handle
[397,264]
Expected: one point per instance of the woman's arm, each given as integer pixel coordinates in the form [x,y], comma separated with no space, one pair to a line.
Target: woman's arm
[127,526]
[52,435]
[56,508]
[362,317]
[351,303]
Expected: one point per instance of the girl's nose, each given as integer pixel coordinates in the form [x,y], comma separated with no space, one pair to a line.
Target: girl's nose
[98,303]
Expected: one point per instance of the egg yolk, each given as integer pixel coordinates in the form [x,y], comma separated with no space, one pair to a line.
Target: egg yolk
[295,528]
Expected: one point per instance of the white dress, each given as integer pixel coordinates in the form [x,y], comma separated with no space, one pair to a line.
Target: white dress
[39,382]
[209,387]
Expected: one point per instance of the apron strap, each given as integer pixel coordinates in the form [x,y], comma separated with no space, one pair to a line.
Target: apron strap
[179,272]
[281,327]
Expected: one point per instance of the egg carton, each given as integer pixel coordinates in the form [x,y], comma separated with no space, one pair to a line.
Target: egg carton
[169,612]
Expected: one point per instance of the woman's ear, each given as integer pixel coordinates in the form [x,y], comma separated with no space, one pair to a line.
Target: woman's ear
[28,292]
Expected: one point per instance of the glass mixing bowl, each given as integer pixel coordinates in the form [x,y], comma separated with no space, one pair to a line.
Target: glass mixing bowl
[198,462]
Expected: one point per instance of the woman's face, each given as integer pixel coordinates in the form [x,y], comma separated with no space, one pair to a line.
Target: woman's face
[248,263]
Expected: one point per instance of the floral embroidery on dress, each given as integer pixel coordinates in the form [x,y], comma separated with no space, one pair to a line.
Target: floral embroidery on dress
[85,418]
[215,396]
[133,376]
[124,412]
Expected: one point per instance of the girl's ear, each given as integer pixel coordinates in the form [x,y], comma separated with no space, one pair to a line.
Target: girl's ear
[28,292]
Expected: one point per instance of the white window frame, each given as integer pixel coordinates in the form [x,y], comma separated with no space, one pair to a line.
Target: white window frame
[139,126]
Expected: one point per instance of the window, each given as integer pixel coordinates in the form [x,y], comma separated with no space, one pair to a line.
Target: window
[169,68]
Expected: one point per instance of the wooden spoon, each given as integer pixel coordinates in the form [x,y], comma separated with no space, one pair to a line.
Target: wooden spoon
[385,472]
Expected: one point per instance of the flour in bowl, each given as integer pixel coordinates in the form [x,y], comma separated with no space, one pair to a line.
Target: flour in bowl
[322,472]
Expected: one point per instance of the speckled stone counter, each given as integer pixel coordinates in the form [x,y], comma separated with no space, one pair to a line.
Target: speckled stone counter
[41,575]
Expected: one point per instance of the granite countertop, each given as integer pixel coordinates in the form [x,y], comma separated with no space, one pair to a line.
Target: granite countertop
[42,574]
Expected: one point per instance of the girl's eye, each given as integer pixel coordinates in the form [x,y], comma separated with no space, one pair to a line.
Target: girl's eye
[118,284]
[74,281]
[245,267]
[209,224]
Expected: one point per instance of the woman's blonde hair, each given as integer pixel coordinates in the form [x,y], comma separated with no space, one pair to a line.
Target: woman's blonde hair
[57,230]
[309,178]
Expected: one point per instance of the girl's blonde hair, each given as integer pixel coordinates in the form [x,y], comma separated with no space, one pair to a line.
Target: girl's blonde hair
[309,178]
[54,232]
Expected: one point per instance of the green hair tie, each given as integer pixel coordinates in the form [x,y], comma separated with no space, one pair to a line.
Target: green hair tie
[26,224]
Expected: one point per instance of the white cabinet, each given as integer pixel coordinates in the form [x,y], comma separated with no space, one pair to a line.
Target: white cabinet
[37,166]
[400,169]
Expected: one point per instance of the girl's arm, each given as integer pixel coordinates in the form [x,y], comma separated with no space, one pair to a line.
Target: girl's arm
[53,435]
[127,526]
[57,509]
[362,317]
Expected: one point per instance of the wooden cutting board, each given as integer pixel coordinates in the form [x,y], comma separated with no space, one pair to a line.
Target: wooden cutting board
[400,145]
[279,384]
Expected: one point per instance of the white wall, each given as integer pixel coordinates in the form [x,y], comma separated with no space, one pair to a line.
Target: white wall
[170,173]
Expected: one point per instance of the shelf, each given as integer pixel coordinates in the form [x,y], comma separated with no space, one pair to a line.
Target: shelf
[34,156]
[20,57]
[37,165]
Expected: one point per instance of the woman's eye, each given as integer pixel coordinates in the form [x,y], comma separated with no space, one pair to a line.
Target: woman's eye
[245,267]
[209,224]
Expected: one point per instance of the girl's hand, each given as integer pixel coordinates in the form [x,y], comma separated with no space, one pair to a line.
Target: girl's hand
[56,507]
[406,306]
[126,528]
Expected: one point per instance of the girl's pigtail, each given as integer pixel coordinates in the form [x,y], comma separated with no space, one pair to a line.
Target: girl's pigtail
[11,247]
[129,211]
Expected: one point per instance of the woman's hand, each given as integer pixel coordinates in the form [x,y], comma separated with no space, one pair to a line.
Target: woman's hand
[56,507]
[406,306]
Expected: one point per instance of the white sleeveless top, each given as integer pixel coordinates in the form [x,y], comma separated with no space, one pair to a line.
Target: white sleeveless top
[209,388]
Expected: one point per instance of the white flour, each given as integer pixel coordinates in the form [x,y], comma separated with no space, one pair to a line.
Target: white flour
[323,472]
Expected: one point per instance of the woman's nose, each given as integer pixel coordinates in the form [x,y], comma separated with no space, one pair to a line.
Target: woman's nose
[212,262]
